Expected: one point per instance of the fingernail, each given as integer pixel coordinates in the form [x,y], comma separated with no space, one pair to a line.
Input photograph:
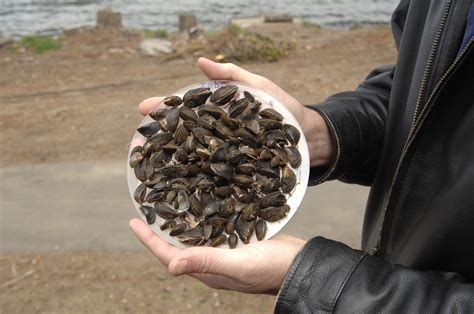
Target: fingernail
[182,267]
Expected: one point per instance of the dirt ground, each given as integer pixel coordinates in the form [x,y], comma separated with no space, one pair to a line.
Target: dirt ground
[79,103]
[110,282]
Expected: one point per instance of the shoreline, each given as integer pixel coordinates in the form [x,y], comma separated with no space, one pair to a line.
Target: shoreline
[173,29]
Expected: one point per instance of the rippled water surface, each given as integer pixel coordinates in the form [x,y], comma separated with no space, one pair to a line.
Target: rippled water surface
[20,17]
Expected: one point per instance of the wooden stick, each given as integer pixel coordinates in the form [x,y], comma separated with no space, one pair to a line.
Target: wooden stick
[15,280]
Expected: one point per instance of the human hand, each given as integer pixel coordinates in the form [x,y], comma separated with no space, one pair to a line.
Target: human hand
[314,127]
[255,268]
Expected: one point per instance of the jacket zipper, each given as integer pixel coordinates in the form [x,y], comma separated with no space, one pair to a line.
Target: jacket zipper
[423,88]
[429,104]
[429,64]
[416,128]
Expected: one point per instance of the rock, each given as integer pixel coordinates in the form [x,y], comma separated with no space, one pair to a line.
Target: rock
[196,33]
[219,57]
[4,41]
[109,19]
[155,46]
[247,22]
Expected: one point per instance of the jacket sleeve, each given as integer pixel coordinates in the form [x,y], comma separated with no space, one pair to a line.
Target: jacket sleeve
[328,276]
[357,119]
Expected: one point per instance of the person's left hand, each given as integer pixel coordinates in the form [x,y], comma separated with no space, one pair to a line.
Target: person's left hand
[255,268]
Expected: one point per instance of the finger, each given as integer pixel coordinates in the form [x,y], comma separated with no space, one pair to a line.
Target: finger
[229,71]
[139,141]
[159,247]
[149,104]
[206,260]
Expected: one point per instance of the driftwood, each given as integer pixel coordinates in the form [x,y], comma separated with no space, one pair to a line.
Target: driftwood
[278,19]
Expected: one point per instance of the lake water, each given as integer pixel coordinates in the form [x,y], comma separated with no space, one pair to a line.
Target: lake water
[20,17]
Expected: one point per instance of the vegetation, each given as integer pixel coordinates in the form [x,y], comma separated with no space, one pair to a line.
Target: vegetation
[159,33]
[235,29]
[40,44]
[237,44]
[231,44]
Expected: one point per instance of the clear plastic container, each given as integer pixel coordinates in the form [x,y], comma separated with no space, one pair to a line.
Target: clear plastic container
[302,173]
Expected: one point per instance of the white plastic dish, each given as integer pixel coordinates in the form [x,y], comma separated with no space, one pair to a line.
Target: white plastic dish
[302,173]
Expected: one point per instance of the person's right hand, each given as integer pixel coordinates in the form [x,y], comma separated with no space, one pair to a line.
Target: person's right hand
[314,127]
[253,268]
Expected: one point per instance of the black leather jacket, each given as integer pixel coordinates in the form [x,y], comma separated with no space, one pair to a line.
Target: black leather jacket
[408,131]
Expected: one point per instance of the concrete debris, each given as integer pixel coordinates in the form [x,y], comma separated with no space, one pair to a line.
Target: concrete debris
[153,47]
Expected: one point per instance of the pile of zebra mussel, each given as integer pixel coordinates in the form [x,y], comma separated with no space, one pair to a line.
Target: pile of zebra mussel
[216,166]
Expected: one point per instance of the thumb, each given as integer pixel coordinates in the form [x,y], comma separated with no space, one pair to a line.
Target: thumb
[228,71]
[205,260]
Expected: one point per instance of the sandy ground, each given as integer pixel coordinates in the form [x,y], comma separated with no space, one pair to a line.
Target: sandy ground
[66,118]
[86,259]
